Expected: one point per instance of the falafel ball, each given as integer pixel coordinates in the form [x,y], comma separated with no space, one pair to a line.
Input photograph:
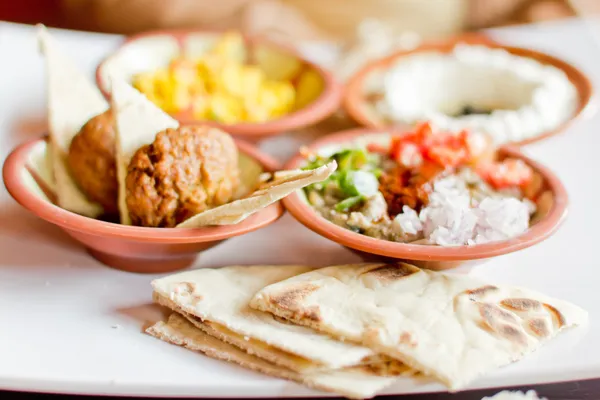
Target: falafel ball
[183,172]
[92,164]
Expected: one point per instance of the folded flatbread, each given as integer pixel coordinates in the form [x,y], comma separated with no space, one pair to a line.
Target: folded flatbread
[356,382]
[269,193]
[72,100]
[219,298]
[138,121]
[452,327]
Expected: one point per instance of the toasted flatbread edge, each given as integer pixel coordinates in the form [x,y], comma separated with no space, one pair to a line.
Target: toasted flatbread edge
[227,352]
[238,210]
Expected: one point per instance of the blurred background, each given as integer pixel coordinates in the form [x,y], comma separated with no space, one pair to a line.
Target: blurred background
[295,19]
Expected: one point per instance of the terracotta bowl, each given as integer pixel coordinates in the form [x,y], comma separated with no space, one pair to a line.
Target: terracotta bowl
[552,206]
[359,100]
[150,50]
[129,248]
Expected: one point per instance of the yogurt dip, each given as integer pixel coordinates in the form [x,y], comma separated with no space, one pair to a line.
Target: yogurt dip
[508,97]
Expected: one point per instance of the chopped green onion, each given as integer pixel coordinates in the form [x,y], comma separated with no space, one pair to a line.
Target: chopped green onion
[349,203]
[344,160]
[361,158]
[359,183]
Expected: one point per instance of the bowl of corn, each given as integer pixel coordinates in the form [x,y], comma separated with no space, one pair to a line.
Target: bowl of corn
[247,86]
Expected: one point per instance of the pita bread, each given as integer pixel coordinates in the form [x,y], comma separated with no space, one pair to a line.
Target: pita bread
[269,193]
[219,297]
[356,382]
[250,345]
[138,121]
[379,365]
[72,101]
[452,327]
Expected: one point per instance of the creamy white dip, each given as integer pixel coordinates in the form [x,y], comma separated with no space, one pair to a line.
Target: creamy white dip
[525,98]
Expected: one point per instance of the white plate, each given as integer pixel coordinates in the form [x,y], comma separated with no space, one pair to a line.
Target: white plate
[71,325]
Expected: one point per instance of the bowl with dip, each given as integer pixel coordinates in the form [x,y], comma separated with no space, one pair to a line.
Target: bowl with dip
[514,95]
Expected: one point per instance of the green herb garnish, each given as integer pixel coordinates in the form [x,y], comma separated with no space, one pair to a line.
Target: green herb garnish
[349,203]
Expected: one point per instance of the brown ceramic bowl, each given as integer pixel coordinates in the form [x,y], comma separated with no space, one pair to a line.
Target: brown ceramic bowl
[150,50]
[358,103]
[130,248]
[552,206]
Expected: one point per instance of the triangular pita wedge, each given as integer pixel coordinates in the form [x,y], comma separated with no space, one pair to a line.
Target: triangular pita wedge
[72,101]
[238,210]
[379,365]
[138,121]
[40,161]
[356,382]
[450,326]
[250,345]
[219,297]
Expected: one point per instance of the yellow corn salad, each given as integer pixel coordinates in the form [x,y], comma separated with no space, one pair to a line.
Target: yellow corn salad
[219,86]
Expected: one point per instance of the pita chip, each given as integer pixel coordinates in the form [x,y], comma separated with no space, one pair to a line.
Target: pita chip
[356,382]
[449,326]
[283,184]
[138,121]
[72,100]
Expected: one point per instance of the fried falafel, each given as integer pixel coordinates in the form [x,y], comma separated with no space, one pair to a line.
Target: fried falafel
[183,172]
[91,161]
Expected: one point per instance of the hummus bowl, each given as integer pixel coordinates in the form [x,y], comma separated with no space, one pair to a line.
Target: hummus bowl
[316,92]
[28,179]
[513,94]
[549,202]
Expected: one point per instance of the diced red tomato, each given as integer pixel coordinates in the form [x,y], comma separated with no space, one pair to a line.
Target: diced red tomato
[508,173]
[423,132]
[447,149]
[447,156]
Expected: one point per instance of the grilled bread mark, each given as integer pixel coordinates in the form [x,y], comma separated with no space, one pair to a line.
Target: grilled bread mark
[521,304]
[539,327]
[503,323]
[393,272]
[290,300]
[477,294]
[557,316]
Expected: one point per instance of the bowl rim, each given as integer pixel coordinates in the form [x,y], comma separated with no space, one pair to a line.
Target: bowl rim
[353,99]
[17,161]
[328,102]
[543,229]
